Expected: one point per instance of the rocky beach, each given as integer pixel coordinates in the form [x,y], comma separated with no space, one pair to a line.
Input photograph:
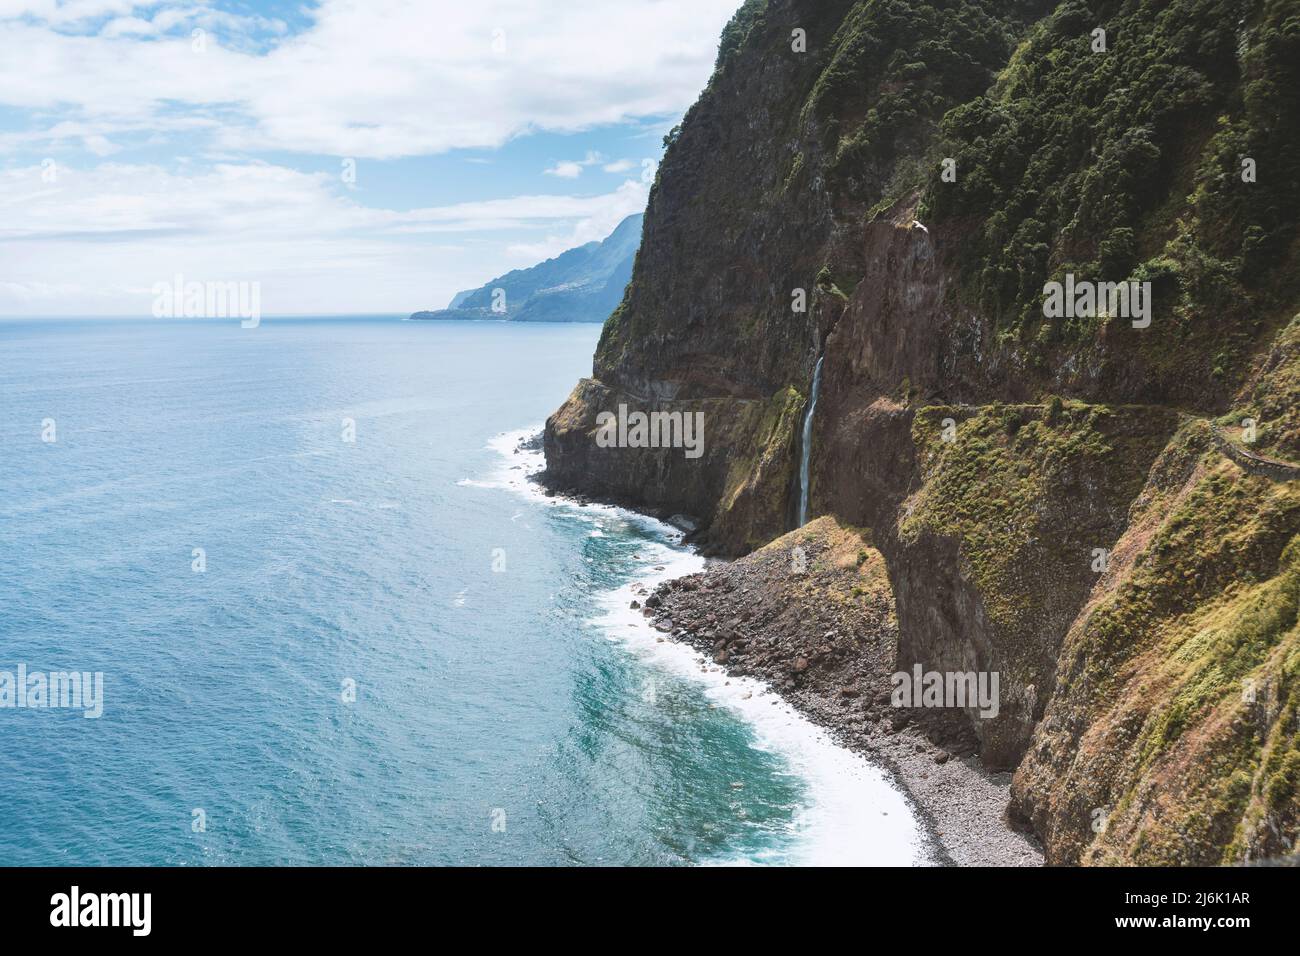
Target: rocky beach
[812,615]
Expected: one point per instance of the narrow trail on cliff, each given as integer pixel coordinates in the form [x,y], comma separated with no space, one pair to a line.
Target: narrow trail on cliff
[1270,468]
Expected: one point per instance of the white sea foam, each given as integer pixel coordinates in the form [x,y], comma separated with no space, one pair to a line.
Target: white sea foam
[854,814]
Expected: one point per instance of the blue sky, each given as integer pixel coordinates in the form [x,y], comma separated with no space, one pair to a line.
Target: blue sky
[348,155]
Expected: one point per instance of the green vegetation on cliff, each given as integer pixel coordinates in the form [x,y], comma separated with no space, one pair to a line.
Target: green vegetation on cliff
[894,69]
[1127,162]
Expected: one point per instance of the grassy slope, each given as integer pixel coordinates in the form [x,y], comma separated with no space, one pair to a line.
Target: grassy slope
[1174,716]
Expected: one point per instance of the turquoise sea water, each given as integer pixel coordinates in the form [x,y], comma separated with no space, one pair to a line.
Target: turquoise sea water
[508,708]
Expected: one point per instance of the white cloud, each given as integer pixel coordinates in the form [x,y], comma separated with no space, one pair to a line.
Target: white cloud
[99,145]
[127,26]
[63,12]
[96,240]
[599,222]
[365,79]
[565,169]
[572,168]
[370,78]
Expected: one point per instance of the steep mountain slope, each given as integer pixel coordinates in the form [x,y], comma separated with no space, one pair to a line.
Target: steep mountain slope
[580,285]
[1100,508]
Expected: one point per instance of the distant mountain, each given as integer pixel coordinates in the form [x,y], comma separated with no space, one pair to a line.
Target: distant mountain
[581,285]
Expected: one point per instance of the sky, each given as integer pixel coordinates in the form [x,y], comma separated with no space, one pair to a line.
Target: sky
[346,155]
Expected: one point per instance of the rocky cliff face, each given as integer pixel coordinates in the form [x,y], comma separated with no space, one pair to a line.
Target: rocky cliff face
[1102,511]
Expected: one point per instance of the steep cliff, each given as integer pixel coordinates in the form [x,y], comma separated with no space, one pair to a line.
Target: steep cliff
[1101,507]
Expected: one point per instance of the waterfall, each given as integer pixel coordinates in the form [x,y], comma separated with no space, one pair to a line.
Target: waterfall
[806,449]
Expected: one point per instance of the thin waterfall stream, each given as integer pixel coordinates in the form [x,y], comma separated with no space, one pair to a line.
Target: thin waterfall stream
[806,448]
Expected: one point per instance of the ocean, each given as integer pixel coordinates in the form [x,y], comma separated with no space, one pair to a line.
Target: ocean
[337,625]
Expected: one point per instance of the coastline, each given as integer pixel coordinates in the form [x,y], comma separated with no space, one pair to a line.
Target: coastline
[960,804]
[857,812]
[824,637]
